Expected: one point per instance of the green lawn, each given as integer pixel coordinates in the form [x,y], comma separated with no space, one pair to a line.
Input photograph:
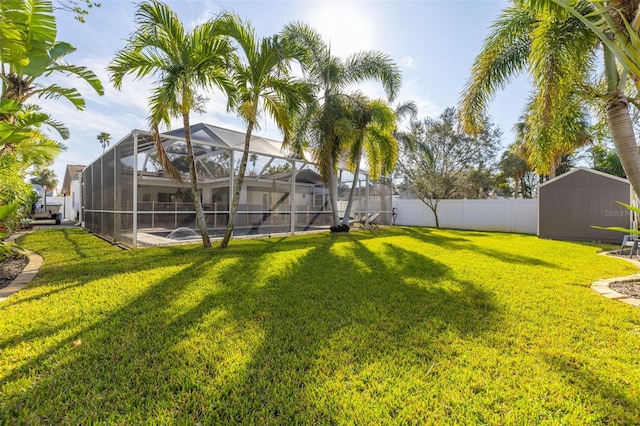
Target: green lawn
[402,326]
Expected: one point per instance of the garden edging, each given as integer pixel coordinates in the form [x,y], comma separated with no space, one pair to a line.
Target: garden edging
[602,286]
[27,274]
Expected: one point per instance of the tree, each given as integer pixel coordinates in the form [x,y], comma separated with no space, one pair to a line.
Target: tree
[47,179]
[185,62]
[262,84]
[36,150]
[558,55]
[79,8]
[616,24]
[30,51]
[513,166]
[104,138]
[561,62]
[374,124]
[253,158]
[438,167]
[280,168]
[606,160]
[322,125]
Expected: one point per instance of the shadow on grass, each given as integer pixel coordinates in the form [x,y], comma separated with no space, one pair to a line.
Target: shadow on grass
[326,329]
[87,258]
[364,311]
[617,409]
[431,236]
[329,310]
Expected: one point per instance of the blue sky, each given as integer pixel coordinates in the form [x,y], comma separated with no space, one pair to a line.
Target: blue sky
[433,42]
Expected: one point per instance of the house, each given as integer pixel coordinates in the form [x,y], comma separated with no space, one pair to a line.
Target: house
[70,191]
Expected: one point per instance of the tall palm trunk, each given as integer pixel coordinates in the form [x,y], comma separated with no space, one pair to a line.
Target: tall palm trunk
[555,163]
[620,123]
[195,190]
[347,212]
[621,128]
[333,196]
[238,187]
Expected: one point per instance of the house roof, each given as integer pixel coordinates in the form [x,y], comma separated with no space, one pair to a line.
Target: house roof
[70,174]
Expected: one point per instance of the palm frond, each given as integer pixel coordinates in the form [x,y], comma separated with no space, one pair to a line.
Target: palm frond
[55,91]
[503,56]
[376,66]
[83,73]
[163,158]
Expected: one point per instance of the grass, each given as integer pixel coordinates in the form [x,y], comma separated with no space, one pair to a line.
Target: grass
[401,326]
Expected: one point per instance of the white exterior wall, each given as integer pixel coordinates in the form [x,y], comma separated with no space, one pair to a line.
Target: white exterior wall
[504,215]
[73,200]
[69,205]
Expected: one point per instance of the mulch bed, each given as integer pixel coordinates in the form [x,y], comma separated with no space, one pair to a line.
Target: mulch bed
[11,267]
[628,288]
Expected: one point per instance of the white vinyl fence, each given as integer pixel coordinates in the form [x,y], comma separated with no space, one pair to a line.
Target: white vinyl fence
[504,215]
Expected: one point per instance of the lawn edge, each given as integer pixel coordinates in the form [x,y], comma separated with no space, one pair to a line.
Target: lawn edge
[28,273]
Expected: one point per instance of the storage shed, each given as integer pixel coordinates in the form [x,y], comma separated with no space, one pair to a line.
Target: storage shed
[571,203]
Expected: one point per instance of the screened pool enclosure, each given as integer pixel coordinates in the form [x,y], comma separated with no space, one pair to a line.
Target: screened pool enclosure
[127,199]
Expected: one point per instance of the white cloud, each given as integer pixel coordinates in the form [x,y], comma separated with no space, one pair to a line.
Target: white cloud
[408,62]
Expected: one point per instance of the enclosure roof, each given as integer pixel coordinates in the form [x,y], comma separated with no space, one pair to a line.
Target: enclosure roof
[584,169]
[217,137]
[230,139]
[304,176]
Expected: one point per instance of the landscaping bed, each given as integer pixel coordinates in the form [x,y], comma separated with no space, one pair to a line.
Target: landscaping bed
[11,267]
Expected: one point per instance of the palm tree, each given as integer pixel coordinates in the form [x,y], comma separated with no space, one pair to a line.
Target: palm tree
[104,138]
[513,166]
[36,150]
[323,123]
[558,50]
[30,51]
[558,54]
[185,62]
[543,147]
[374,124]
[616,24]
[262,84]
[47,179]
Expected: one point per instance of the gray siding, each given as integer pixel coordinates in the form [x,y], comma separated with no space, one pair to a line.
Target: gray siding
[569,205]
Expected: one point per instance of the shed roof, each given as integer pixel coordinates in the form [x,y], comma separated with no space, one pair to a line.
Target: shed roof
[583,170]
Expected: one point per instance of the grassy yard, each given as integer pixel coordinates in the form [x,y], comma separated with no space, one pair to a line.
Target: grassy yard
[403,326]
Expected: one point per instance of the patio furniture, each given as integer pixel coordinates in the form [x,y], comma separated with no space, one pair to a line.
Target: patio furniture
[630,241]
[368,221]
